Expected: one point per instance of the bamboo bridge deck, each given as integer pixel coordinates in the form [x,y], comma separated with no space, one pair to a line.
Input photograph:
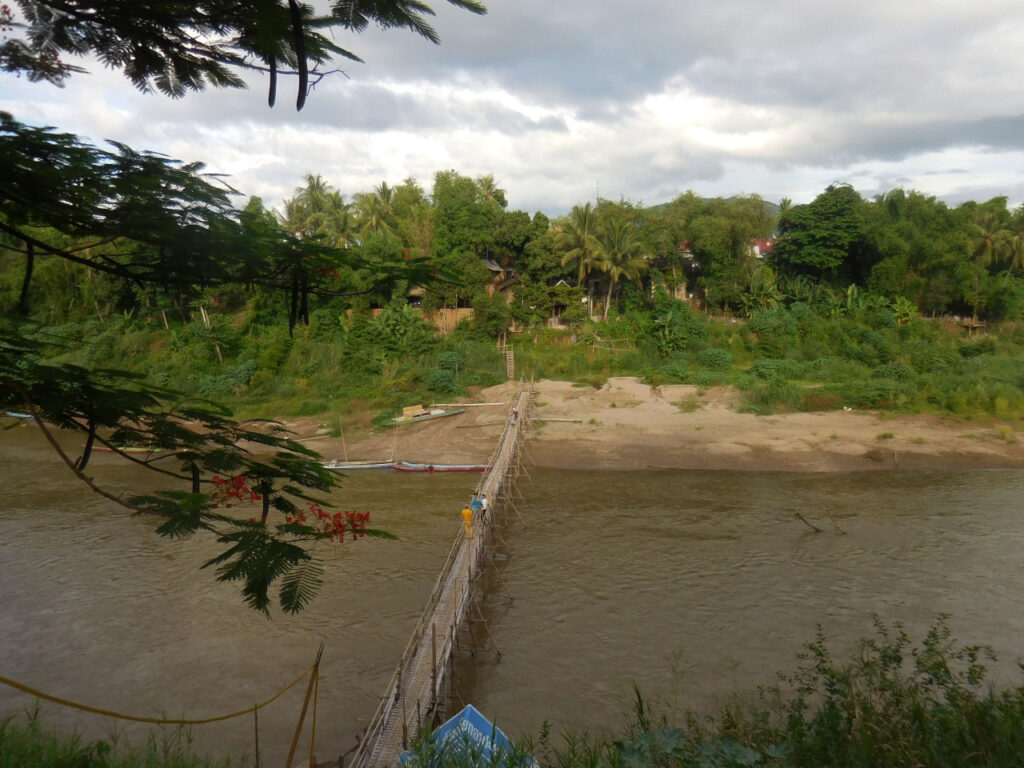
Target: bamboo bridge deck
[416,693]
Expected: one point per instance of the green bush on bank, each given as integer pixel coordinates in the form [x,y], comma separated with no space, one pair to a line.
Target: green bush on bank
[781,358]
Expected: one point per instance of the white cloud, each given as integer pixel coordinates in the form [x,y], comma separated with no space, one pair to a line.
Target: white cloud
[560,101]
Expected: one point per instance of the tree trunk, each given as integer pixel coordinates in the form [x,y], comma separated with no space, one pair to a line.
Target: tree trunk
[304,306]
[30,263]
[293,308]
[608,299]
[195,477]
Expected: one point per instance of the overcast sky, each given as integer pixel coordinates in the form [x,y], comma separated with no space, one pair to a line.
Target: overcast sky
[565,100]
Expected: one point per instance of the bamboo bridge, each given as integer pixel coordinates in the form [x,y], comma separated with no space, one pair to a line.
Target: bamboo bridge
[416,695]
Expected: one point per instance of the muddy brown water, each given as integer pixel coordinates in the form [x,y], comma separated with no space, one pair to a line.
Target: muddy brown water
[690,584]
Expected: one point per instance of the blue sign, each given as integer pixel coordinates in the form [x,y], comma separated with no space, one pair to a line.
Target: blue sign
[469,729]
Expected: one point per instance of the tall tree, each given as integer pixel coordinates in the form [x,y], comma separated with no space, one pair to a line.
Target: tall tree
[820,237]
[620,254]
[992,241]
[579,239]
[375,211]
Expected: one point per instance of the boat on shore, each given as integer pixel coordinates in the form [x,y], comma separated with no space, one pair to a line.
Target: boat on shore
[410,466]
[347,466]
[437,413]
[136,449]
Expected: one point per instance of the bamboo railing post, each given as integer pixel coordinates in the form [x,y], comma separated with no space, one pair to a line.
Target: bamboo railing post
[433,660]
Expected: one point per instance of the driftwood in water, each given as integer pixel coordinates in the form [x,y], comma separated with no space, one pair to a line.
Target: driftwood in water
[810,525]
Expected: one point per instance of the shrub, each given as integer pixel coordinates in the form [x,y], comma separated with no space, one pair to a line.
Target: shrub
[441,380]
[775,330]
[715,359]
[821,400]
[673,327]
[675,370]
[775,369]
[896,369]
[774,396]
[450,361]
[983,346]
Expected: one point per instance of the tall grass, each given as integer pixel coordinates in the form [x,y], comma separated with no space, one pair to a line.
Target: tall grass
[28,743]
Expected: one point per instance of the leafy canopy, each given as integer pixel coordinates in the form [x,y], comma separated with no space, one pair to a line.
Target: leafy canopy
[175,47]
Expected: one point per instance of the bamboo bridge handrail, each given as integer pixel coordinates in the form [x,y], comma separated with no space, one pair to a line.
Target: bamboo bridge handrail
[462,556]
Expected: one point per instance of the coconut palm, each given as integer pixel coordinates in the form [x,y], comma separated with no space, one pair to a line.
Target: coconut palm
[335,221]
[992,243]
[1015,253]
[490,192]
[317,210]
[580,241]
[374,211]
[621,255]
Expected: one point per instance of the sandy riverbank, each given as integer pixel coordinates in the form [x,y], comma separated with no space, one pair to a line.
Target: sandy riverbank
[629,425]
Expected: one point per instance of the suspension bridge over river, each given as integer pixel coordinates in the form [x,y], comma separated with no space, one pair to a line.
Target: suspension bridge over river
[416,696]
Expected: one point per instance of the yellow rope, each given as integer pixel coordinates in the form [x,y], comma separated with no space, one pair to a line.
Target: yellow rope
[156,721]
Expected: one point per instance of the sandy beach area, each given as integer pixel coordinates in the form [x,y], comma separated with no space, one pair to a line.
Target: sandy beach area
[627,425]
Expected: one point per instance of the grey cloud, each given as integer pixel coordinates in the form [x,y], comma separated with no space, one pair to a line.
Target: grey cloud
[856,141]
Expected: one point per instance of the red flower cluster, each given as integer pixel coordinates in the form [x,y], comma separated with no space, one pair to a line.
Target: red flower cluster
[333,525]
[327,271]
[231,491]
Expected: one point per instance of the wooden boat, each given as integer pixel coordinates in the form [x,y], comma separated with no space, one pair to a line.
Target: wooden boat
[127,449]
[436,414]
[347,466]
[409,466]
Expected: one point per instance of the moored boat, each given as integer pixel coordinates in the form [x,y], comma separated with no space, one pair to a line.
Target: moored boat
[437,413]
[346,466]
[410,466]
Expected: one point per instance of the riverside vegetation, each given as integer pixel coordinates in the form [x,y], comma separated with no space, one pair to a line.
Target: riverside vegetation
[360,369]
[894,702]
[839,314]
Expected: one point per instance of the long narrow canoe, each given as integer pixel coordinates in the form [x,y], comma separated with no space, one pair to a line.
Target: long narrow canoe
[409,466]
[346,466]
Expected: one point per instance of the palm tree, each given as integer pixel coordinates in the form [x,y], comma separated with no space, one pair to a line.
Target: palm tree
[1015,253]
[318,210]
[992,243]
[374,211]
[580,241]
[621,255]
[490,192]
[335,221]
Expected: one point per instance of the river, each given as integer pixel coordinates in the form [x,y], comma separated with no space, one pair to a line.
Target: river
[691,584]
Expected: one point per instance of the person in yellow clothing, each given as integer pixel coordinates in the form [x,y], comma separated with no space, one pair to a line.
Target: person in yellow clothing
[467,521]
